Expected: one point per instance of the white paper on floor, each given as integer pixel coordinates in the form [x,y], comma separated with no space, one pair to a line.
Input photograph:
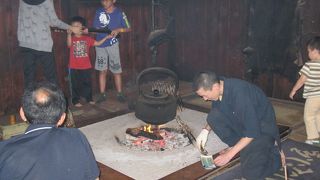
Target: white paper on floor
[146,164]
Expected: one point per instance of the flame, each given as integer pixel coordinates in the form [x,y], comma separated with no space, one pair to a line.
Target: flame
[148,128]
[151,128]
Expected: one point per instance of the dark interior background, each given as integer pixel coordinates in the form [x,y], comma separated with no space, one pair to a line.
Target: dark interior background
[257,40]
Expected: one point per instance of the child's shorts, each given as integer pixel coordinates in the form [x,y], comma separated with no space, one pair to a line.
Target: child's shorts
[108,58]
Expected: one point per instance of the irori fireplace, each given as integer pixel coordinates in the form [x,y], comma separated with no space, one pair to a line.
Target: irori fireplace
[156,105]
[104,138]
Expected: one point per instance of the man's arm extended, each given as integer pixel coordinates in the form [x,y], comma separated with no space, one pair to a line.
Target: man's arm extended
[226,156]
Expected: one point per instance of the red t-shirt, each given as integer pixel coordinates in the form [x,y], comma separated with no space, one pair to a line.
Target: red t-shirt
[79,52]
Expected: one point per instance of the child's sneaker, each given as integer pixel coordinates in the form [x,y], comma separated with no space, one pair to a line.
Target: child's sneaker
[92,102]
[78,105]
[315,142]
[101,97]
[121,97]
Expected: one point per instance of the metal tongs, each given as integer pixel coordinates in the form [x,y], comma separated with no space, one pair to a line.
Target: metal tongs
[202,150]
[187,131]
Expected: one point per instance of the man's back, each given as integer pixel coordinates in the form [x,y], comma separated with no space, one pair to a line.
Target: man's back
[47,152]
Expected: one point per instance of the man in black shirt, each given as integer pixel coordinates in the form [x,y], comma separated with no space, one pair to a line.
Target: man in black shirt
[242,117]
[46,151]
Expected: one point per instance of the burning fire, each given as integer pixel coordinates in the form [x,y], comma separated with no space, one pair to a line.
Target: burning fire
[148,128]
[151,128]
[155,138]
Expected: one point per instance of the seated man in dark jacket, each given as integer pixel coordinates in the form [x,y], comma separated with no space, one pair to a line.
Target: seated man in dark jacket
[242,117]
[46,151]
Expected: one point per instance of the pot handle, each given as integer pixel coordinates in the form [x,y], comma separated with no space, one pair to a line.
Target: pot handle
[157,69]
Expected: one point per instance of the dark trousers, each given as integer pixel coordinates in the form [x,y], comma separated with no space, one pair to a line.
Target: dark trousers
[31,59]
[81,84]
[259,159]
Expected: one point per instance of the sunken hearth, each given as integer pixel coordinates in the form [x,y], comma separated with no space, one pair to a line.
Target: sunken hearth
[155,138]
[152,162]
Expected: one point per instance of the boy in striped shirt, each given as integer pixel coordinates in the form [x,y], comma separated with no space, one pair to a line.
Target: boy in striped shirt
[310,78]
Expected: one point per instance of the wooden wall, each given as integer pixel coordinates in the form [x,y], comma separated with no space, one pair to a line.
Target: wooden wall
[306,24]
[10,61]
[209,34]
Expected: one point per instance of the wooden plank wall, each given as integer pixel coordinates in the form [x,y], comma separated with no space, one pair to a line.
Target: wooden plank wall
[10,61]
[209,34]
[272,27]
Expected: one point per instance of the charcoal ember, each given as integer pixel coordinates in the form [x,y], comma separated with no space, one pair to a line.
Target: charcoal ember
[136,132]
[171,139]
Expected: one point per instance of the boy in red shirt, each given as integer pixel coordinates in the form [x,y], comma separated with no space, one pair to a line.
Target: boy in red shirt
[79,61]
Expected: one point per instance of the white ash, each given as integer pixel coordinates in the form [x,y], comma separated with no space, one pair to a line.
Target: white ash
[172,139]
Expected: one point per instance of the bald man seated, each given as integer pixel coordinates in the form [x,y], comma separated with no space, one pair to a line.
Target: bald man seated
[45,150]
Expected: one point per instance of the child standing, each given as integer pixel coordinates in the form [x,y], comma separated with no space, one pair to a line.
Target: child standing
[310,78]
[107,54]
[79,61]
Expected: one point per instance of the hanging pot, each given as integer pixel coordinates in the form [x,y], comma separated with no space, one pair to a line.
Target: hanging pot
[155,105]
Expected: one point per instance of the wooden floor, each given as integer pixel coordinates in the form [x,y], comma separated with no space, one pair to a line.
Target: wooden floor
[288,113]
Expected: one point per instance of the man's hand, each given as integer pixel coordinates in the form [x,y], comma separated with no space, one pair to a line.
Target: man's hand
[225,156]
[224,150]
[202,138]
